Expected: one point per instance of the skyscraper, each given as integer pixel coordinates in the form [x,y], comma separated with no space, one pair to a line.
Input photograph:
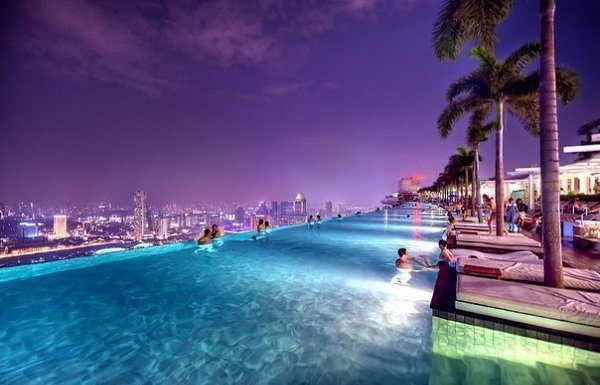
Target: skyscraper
[300,207]
[328,209]
[239,215]
[139,215]
[60,226]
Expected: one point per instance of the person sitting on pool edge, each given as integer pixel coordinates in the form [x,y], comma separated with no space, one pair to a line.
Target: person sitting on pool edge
[451,226]
[205,238]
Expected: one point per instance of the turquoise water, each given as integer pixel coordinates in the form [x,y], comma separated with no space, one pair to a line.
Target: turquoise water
[311,306]
[301,306]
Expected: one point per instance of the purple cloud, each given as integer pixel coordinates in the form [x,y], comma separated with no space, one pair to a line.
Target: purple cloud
[128,43]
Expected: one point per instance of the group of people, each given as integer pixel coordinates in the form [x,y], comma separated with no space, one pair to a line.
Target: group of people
[209,234]
[515,213]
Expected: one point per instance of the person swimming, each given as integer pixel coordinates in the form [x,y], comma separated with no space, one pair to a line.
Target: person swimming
[310,220]
[261,228]
[318,218]
[205,238]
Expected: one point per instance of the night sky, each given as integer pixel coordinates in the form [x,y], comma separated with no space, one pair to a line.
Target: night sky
[247,100]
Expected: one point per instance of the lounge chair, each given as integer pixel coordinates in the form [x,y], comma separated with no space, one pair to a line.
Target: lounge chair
[530,271]
[522,256]
[564,310]
[495,244]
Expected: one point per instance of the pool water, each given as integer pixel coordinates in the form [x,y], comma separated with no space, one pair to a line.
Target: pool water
[316,305]
[304,305]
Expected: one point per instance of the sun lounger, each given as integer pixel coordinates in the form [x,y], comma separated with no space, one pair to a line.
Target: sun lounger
[533,272]
[564,310]
[523,256]
[492,243]
[473,226]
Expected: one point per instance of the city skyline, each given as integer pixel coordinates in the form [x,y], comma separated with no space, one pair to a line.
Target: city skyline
[323,100]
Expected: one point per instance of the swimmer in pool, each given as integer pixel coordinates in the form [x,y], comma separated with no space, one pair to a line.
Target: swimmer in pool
[403,267]
[318,218]
[261,228]
[205,238]
[216,232]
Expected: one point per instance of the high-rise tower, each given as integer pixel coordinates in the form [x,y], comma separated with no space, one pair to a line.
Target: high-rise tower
[140,218]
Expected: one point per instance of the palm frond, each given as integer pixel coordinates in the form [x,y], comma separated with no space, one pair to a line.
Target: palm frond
[567,84]
[589,127]
[449,31]
[477,131]
[522,57]
[467,84]
[461,20]
[527,111]
[485,56]
[454,111]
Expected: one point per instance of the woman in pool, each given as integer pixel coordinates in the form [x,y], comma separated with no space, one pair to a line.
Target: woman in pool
[261,228]
[216,232]
[205,238]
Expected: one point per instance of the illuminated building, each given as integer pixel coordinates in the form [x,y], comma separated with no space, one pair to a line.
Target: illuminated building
[239,215]
[300,206]
[286,208]
[140,208]
[338,209]
[28,230]
[60,226]
[162,226]
[274,208]
[409,185]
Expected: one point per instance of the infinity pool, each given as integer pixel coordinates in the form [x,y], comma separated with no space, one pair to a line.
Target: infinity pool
[302,306]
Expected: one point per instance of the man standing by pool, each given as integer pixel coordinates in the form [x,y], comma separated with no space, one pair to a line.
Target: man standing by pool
[491,205]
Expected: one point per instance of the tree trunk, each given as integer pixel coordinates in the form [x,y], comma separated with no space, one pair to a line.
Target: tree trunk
[473,190]
[499,169]
[478,202]
[466,188]
[549,151]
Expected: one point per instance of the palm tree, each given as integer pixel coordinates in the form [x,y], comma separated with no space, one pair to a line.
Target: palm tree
[463,161]
[497,84]
[478,132]
[475,20]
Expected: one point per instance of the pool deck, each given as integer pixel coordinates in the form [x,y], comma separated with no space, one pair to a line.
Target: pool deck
[444,299]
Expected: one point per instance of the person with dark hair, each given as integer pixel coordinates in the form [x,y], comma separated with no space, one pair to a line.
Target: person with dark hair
[401,261]
[310,220]
[205,238]
[445,253]
[261,226]
[522,209]
[318,218]
[451,226]
[266,225]
[216,232]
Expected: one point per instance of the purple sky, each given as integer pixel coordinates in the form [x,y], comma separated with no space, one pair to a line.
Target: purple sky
[246,100]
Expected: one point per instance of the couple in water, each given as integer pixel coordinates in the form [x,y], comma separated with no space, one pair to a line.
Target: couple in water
[404,268]
[311,220]
[209,234]
[423,261]
[261,229]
